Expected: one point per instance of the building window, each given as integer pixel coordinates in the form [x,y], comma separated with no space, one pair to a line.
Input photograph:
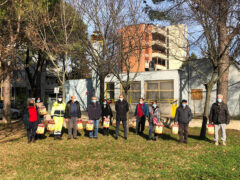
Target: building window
[158,49]
[196,94]
[134,93]
[159,61]
[158,37]
[109,90]
[162,91]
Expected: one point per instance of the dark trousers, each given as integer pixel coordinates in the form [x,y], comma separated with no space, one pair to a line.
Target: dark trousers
[124,127]
[31,130]
[106,131]
[140,124]
[183,132]
[72,124]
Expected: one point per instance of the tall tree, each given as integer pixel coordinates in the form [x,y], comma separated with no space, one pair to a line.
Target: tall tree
[11,14]
[54,27]
[218,33]
[110,20]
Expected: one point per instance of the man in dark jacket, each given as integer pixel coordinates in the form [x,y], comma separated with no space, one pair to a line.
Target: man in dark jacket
[72,115]
[219,116]
[183,117]
[94,114]
[141,112]
[121,108]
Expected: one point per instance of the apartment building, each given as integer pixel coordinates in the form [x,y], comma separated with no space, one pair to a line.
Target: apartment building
[162,48]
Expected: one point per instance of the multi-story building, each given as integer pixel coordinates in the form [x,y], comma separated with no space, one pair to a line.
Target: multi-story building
[165,48]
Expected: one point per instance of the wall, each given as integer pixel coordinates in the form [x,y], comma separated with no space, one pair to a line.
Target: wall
[190,80]
[82,89]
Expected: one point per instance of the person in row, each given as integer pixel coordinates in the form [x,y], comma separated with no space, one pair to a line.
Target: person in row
[57,114]
[72,115]
[122,109]
[219,116]
[94,114]
[31,120]
[141,112]
[182,118]
[106,114]
[154,114]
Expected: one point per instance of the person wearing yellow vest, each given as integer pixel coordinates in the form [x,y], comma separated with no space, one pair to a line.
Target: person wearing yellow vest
[57,114]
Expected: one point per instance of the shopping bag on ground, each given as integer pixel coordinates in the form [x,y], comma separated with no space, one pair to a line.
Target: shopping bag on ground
[106,122]
[89,125]
[210,129]
[175,129]
[79,125]
[40,128]
[134,122]
[159,129]
[51,125]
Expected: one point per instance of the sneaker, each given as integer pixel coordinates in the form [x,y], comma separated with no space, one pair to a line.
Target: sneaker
[68,138]
[125,138]
[224,143]
[216,143]
[116,137]
[75,138]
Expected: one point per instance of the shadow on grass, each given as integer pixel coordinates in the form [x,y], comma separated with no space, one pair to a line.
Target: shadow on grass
[167,137]
[197,137]
[12,140]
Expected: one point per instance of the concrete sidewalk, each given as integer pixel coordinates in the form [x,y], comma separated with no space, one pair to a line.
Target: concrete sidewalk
[234,124]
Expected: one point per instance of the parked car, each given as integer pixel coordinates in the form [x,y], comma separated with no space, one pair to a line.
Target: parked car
[16,113]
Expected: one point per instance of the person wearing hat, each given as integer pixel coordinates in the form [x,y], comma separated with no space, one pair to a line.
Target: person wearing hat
[57,114]
[183,117]
[141,112]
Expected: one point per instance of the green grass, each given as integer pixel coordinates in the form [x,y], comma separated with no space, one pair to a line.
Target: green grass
[106,158]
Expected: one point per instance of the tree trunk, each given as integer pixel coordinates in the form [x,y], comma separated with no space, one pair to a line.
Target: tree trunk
[7,99]
[223,63]
[102,87]
[206,110]
[37,90]
[126,97]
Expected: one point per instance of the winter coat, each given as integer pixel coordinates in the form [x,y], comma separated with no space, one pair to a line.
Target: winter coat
[183,116]
[145,110]
[107,111]
[155,112]
[26,121]
[219,114]
[121,108]
[67,113]
[94,111]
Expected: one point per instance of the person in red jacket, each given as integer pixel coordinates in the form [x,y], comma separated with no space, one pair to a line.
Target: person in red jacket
[31,120]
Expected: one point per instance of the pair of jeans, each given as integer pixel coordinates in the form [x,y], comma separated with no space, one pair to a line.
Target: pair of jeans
[151,128]
[223,129]
[124,127]
[183,131]
[72,124]
[140,124]
[95,130]
[31,130]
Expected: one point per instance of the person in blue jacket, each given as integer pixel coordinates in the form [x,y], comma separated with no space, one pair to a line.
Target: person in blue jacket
[141,112]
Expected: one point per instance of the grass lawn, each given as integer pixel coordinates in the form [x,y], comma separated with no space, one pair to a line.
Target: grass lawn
[107,158]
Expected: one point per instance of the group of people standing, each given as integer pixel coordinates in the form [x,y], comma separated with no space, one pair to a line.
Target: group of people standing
[71,113]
